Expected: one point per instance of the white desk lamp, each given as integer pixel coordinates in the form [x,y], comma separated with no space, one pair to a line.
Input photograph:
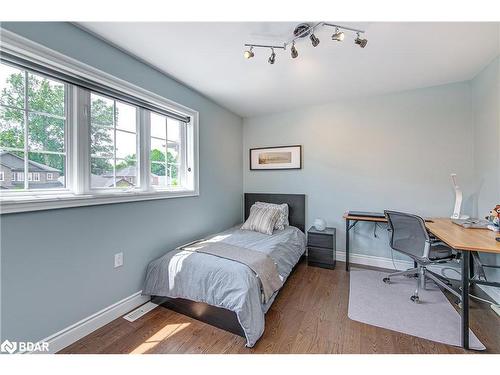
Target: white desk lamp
[458,199]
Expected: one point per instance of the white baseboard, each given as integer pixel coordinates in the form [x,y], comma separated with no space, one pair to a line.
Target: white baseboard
[374,261]
[381,262]
[75,332]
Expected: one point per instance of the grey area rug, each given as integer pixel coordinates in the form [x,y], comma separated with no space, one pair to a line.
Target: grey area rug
[373,302]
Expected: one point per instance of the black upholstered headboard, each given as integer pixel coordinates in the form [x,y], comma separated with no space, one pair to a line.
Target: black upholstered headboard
[296,206]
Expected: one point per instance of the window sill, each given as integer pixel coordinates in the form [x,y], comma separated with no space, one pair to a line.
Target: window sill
[49,202]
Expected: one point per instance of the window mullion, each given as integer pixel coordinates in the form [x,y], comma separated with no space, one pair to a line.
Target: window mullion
[114,143]
[144,148]
[26,119]
[81,140]
[166,152]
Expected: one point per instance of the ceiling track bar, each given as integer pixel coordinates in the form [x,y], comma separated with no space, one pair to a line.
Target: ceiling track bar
[304,32]
[264,46]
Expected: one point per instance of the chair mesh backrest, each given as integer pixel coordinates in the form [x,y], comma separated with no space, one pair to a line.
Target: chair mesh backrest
[408,233]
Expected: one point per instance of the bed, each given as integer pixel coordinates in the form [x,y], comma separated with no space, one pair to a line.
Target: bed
[225,293]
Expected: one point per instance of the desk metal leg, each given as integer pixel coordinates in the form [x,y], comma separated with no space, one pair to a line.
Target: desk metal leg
[465,299]
[471,266]
[347,228]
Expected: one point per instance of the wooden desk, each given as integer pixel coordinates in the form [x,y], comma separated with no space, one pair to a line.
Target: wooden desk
[460,239]
[348,226]
[466,241]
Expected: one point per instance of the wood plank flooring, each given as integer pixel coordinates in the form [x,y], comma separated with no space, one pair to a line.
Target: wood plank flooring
[308,316]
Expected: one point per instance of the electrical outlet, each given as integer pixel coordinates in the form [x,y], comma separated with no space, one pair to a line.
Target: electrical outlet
[118,260]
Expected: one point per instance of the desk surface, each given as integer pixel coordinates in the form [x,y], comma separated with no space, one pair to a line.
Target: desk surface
[365,218]
[452,234]
[464,239]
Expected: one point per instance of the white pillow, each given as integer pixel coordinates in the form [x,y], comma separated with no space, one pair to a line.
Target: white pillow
[261,219]
[282,208]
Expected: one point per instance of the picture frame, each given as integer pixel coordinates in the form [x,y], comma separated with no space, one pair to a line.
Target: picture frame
[275,158]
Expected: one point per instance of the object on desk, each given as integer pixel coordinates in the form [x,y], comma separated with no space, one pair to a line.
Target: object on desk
[471,223]
[366,214]
[319,224]
[321,247]
[494,219]
[498,239]
[458,199]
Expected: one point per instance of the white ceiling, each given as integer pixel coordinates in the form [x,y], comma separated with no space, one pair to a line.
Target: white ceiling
[399,56]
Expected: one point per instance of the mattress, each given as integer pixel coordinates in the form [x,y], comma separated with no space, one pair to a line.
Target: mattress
[224,283]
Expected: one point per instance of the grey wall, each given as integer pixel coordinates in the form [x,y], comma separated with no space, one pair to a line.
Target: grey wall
[486,110]
[57,265]
[386,152]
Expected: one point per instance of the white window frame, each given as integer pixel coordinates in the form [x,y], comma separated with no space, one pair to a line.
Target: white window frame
[49,176]
[2,175]
[77,191]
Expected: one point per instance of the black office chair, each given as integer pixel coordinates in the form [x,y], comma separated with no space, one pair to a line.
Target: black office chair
[410,237]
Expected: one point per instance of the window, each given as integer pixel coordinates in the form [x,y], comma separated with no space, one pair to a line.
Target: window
[113,144]
[32,124]
[167,152]
[89,137]
[1,176]
[33,176]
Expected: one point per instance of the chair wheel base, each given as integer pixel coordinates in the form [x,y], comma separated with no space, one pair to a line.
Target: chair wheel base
[386,280]
[415,299]
[413,276]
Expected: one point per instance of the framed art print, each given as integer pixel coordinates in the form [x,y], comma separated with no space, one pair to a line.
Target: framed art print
[276,158]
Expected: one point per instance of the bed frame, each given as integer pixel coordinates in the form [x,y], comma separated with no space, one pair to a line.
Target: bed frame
[218,316]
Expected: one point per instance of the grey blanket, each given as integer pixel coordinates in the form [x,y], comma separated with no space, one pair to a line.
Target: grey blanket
[260,263]
[225,283]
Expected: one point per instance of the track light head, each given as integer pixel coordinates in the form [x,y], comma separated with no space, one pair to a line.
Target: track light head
[294,51]
[360,42]
[338,35]
[249,53]
[272,58]
[314,40]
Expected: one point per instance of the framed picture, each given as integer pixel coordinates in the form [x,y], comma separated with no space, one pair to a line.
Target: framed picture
[276,158]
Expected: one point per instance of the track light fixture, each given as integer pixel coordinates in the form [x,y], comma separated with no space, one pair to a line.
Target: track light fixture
[272,58]
[338,35]
[306,30]
[314,40]
[293,51]
[360,42]
[249,53]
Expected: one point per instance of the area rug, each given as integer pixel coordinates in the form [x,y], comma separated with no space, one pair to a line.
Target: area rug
[373,302]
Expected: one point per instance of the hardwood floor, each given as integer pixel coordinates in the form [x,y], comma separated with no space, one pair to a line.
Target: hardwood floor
[308,316]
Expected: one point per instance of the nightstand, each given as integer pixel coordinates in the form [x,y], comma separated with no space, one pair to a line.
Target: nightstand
[321,247]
